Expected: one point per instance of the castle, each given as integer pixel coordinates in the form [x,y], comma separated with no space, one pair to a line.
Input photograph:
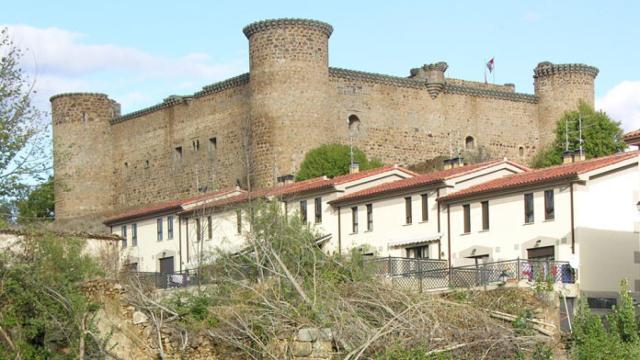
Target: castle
[257,126]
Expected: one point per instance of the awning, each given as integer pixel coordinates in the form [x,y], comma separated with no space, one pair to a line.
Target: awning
[414,240]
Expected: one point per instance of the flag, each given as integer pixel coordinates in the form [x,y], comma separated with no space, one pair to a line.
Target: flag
[490,65]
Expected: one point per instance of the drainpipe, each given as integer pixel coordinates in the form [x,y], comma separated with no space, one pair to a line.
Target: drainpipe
[438,220]
[339,233]
[573,228]
[180,240]
[449,234]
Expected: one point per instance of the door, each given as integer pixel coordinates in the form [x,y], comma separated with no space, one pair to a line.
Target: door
[545,253]
[166,265]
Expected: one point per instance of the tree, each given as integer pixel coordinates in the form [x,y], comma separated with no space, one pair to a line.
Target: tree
[39,204]
[601,136]
[333,160]
[23,155]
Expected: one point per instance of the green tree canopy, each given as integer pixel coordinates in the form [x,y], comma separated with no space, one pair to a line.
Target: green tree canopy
[601,136]
[23,142]
[38,205]
[332,160]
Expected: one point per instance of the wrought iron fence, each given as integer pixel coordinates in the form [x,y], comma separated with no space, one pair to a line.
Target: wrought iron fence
[427,274]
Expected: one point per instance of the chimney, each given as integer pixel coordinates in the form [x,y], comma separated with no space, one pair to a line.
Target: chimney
[453,162]
[567,157]
[579,156]
[285,179]
[355,168]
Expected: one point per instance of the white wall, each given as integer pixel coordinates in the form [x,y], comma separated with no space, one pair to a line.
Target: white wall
[508,236]
[149,249]
[606,231]
[389,224]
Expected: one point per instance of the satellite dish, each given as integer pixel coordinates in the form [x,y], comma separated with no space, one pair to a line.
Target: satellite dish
[574,261]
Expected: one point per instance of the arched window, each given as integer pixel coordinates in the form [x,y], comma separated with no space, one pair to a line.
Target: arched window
[469,143]
[354,124]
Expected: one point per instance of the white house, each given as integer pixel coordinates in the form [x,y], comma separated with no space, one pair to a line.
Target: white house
[402,218]
[585,212]
[177,235]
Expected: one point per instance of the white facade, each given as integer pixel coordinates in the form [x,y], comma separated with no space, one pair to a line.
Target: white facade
[598,233]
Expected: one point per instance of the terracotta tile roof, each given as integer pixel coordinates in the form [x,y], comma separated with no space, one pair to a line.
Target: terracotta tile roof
[554,173]
[632,135]
[163,206]
[421,180]
[315,184]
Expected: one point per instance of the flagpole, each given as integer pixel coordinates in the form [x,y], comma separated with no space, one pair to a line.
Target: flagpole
[485,71]
[493,69]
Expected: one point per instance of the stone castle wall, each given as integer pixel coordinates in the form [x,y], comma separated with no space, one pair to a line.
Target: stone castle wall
[262,123]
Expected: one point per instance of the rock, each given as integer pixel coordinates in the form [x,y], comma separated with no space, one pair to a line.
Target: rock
[322,348]
[139,318]
[326,334]
[131,308]
[308,334]
[301,349]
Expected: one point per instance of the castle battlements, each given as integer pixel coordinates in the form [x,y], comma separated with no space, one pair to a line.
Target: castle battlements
[257,126]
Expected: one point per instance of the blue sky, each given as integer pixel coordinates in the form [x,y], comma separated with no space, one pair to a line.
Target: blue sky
[139,52]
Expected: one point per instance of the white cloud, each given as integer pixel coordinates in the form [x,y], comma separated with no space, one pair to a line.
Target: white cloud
[63,61]
[622,103]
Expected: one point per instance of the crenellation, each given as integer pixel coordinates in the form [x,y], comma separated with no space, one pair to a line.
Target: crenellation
[291,101]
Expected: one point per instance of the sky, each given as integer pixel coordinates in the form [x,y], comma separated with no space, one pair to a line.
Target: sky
[140,52]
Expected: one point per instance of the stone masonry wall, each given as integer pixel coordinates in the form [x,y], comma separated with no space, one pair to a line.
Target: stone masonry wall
[289,103]
[148,168]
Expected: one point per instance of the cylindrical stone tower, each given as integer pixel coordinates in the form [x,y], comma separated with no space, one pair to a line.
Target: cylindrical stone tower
[560,88]
[82,156]
[289,82]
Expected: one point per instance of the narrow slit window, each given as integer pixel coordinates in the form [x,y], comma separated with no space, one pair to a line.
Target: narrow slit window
[407,210]
[303,211]
[425,207]
[318,210]
[178,153]
[354,219]
[549,205]
[466,209]
[170,227]
[209,228]
[369,217]
[485,215]
[528,208]
[159,228]
[134,234]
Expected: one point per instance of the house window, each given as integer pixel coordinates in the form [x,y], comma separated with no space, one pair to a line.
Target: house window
[239,221]
[134,234]
[198,230]
[407,210]
[354,219]
[601,303]
[369,217]
[178,153]
[418,252]
[485,215]
[159,228]
[213,144]
[466,209]
[146,164]
[303,211]
[425,207]
[318,210]
[209,228]
[170,227]
[521,151]
[549,206]
[528,208]
[469,143]
[195,144]
[123,234]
